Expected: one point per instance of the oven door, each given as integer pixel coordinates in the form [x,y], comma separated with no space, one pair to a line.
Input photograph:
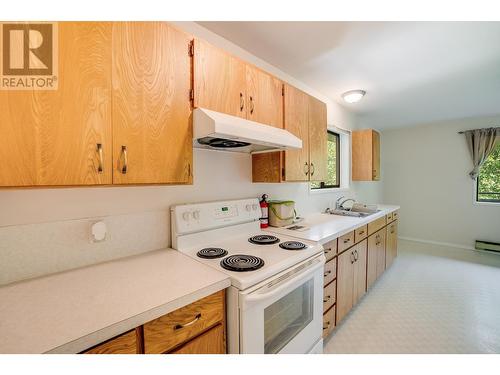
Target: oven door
[285,314]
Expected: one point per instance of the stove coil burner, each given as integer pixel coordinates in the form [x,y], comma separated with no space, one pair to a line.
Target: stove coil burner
[241,263]
[264,239]
[292,245]
[212,253]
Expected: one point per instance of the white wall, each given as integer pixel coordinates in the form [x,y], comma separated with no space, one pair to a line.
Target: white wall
[29,248]
[425,170]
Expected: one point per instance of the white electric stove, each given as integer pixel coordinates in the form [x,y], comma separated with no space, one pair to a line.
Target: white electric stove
[274,304]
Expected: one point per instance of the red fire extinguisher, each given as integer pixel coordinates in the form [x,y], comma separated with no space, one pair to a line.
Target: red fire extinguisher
[264,208]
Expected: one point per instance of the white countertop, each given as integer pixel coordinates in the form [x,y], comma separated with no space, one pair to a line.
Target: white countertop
[323,227]
[74,310]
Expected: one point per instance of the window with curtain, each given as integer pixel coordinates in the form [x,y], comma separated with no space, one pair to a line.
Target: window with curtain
[333,164]
[488,180]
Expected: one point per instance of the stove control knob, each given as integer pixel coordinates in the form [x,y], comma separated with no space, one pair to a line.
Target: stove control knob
[185,216]
[196,215]
[248,207]
[254,207]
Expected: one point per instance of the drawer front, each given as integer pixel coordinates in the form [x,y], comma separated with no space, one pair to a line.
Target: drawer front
[376,225]
[328,321]
[123,344]
[329,295]
[177,327]
[361,233]
[211,342]
[346,241]
[330,249]
[395,215]
[389,217]
[330,272]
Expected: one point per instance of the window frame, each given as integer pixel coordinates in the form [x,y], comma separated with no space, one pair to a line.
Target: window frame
[485,201]
[322,184]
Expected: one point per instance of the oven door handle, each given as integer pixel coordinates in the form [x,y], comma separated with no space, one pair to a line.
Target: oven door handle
[292,279]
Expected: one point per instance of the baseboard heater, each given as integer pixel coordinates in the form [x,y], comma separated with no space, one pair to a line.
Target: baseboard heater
[488,246]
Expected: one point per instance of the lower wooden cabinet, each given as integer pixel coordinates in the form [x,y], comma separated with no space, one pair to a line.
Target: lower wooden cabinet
[198,328]
[328,321]
[376,256]
[391,247]
[351,278]
[210,342]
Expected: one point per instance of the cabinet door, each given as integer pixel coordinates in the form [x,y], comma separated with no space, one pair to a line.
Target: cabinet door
[345,274]
[264,97]
[380,252]
[371,260]
[359,277]
[211,342]
[152,130]
[126,343]
[392,243]
[376,156]
[219,80]
[318,140]
[52,137]
[296,122]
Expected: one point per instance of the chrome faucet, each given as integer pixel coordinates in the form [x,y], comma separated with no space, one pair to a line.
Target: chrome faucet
[339,203]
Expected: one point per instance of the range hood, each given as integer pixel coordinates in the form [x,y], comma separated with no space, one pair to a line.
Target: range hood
[218,131]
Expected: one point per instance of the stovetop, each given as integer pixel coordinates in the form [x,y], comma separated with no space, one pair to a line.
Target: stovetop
[274,258]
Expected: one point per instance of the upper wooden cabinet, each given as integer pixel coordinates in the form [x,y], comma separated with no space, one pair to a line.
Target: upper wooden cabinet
[304,117]
[219,80]
[365,155]
[318,140]
[63,136]
[152,131]
[226,84]
[264,97]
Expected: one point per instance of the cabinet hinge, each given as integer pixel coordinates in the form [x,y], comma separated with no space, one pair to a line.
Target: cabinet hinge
[191,94]
[191,48]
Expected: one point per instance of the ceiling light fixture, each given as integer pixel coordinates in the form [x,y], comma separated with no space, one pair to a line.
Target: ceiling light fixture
[353,96]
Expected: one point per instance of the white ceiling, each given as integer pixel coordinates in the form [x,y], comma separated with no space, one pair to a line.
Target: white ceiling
[413,72]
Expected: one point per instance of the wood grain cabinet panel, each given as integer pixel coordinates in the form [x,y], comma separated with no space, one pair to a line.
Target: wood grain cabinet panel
[345,290]
[210,342]
[359,273]
[152,130]
[391,249]
[360,233]
[329,321]
[296,122]
[346,241]
[51,137]
[318,140]
[179,326]
[219,80]
[376,256]
[330,249]
[330,272]
[365,155]
[376,225]
[329,292]
[123,344]
[264,97]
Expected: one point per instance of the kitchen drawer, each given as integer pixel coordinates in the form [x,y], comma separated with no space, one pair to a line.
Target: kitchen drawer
[179,326]
[361,233]
[346,241]
[376,225]
[389,218]
[330,271]
[395,215]
[330,249]
[123,344]
[329,295]
[328,321]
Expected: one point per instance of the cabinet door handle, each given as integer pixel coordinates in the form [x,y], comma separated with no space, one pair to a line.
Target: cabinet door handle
[242,102]
[100,168]
[356,256]
[347,240]
[327,273]
[306,168]
[313,169]
[362,232]
[352,257]
[124,158]
[251,105]
[326,299]
[180,326]
[327,326]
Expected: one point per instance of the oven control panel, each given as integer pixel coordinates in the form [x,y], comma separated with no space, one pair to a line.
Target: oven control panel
[190,218]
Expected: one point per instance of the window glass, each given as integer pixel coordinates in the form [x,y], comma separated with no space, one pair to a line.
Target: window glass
[488,181]
[333,163]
